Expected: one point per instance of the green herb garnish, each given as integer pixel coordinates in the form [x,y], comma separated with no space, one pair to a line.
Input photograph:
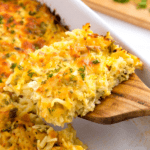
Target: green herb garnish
[95,61]
[1,19]
[20,67]
[12,31]
[11,19]
[57,70]
[32,13]
[65,73]
[30,73]
[50,110]
[13,65]
[1,80]
[142,4]
[82,69]
[82,74]
[36,47]
[6,102]
[43,82]
[121,1]
[72,77]
[71,70]
[22,5]
[50,75]
[7,55]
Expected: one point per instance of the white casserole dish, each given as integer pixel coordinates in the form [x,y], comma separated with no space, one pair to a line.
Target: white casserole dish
[121,136]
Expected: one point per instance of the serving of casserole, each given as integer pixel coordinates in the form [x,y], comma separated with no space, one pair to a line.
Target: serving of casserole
[48,72]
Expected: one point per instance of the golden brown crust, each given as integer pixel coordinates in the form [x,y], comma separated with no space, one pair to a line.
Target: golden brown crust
[25,26]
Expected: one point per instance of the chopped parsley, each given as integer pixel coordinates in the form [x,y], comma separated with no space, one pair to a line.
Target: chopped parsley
[72,77]
[22,5]
[122,1]
[12,31]
[82,69]
[82,74]
[95,61]
[14,40]
[50,75]
[6,102]
[13,65]
[20,67]
[32,13]
[43,82]
[11,19]
[71,70]
[3,130]
[7,55]
[30,73]
[142,4]
[1,80]
[65,73]
[37,47]
[57,70]
[1,19]
[50,110]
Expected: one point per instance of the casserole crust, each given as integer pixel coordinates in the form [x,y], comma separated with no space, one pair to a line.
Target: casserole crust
[24,130]
[25,26]
[67,78]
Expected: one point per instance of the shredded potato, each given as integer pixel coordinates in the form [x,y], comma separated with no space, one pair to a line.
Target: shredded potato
[28,132]
[25,26]
[47,72]
[67,78]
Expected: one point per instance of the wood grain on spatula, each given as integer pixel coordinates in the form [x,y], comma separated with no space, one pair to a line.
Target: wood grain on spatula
[129,99]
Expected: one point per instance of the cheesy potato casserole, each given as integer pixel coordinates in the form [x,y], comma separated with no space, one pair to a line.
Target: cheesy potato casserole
[26,26]
[50,73]
[24,130]
[67,78]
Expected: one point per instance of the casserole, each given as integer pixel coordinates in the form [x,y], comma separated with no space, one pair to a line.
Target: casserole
[124,135]
[95,31]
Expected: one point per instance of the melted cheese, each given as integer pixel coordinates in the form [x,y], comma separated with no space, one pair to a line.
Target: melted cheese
[71,75]
[28,132]
[25,26]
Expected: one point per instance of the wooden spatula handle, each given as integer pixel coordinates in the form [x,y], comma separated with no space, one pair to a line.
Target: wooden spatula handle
[128,100]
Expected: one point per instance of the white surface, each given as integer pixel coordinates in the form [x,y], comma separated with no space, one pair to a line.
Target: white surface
[128,135]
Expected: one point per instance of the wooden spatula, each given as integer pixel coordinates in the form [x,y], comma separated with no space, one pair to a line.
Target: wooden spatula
[129,99]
